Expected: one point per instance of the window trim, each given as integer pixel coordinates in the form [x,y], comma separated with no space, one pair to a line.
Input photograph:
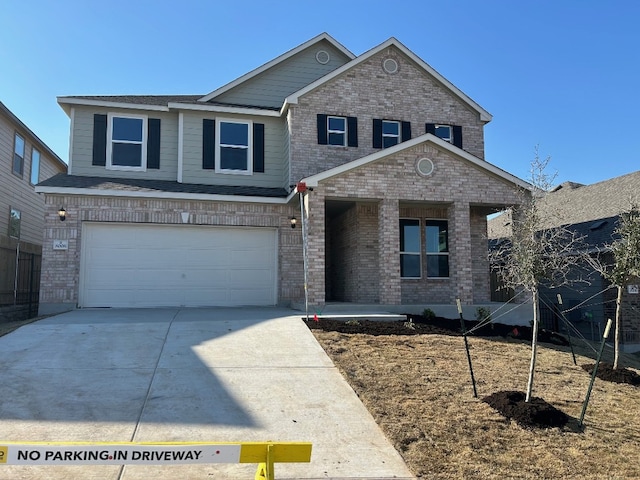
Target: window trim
[439,254]
[442,125]
[37,180]
[418,253]
[398,137]
[143,151]
[13,158]
[11,210]
[219,145]
[344,132]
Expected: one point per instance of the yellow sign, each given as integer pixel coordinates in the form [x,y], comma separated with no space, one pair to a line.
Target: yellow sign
[119,454]
[49,453]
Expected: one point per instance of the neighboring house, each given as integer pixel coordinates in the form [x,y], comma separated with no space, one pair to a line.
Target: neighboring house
[25,160]
[592,211]
[189,199]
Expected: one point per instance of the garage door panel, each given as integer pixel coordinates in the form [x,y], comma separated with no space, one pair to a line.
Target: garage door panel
[154,265]
[248,277]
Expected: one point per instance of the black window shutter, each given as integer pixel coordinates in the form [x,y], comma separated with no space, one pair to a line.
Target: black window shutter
[322,129]
[153,143]
[457,136]
[258,147]
[352,131]
[377,133]
[430,128]
[208,144]
[99,140]
[406,131]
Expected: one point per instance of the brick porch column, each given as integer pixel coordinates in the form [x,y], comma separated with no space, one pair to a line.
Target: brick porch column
[314,204]
[389,252]
[460,268]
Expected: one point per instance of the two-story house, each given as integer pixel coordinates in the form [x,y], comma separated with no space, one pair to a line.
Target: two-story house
[25,160]
[191,199]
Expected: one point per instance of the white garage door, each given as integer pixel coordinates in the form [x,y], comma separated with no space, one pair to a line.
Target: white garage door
[168,265]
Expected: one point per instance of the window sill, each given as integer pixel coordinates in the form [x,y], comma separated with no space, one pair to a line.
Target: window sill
[126,169]
[234,172]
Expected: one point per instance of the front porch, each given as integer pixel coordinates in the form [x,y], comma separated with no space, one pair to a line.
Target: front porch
[357,252]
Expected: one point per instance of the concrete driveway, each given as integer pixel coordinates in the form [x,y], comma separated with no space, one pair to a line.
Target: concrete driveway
[180,375]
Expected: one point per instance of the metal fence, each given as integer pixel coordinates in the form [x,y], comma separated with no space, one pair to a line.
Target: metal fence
[20,278]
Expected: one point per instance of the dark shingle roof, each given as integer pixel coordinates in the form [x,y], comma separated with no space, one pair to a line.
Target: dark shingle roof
[159,100]
[158,186]
[592,202]
[591,211]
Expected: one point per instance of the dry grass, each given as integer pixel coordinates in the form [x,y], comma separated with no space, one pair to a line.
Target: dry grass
[419,391]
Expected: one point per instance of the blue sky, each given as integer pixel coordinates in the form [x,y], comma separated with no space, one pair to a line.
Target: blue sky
[562,75]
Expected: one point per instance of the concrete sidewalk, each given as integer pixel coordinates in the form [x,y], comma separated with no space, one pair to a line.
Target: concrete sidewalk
[179,375]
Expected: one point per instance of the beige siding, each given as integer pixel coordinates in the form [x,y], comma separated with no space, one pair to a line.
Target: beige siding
[17,192]
[82,151]
[270,88]
[275,161]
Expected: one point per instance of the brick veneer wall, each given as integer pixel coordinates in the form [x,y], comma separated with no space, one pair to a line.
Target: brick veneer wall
[367,92]
[61,268]
[480,256]
[456,190]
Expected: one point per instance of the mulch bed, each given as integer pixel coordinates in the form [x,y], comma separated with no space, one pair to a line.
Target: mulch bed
[536,413]
[420,325]
[619,375]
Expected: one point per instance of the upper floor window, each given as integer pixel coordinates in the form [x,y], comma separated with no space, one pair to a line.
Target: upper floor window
[390,133]
[18,155]
[444,132]
[387,133]
[14,223]
[234,147]
[437,248]
[448,133]
[410,248]
[35,166]
[127,142]
[337,130]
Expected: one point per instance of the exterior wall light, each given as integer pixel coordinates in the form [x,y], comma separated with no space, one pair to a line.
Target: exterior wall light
[62,213]
[294,222]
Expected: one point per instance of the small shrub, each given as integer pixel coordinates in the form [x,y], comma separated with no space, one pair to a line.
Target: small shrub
[409,324]
[428,314]
[353,322]
[483,313]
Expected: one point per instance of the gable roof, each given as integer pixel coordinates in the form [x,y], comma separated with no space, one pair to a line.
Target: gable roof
[313,180]
[199,102]
[276,61]
[484,115]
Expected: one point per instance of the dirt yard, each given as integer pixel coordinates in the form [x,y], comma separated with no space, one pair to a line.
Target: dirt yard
[417,386]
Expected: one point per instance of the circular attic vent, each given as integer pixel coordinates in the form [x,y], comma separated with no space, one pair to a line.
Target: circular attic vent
[391,66]
[424,166]
[323,57]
